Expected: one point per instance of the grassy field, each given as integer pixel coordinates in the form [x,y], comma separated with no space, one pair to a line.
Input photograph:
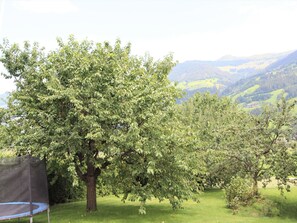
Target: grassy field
[275,95]
[246,92]
[211,208]
[207,83]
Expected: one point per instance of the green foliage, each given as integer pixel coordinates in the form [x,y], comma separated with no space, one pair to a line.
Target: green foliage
[239,192]
[261,149]
[270,208]
[62,189]
[105,114]
[231,142]
[62,182]
[267,87]
[3,132]
[214,123]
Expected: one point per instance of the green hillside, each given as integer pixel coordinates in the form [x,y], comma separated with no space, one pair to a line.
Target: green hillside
[251,81]
[266,87]
[252,65]
[211,83]
[216,76]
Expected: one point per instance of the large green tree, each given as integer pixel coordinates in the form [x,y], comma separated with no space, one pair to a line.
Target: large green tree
[108,114]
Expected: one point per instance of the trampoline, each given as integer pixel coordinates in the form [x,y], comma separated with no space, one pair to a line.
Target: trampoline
[21,209]
[23,188]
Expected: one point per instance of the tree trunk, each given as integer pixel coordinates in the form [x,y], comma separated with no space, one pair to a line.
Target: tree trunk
[255,186]
[91,188]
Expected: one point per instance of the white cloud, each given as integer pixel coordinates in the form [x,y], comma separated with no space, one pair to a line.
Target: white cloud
[6,85]
[1,13]
[46,6]
[265,29]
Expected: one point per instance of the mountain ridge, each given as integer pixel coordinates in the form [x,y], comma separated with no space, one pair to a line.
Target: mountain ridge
[248,80]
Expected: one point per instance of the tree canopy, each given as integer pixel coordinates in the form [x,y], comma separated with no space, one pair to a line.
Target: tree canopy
[233,142]
[108,114]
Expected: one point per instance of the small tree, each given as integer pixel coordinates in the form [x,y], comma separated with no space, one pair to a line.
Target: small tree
[263,147]
[239,192]
[210,119]
[233,142]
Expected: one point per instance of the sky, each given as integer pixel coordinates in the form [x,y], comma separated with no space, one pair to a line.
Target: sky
[190,29]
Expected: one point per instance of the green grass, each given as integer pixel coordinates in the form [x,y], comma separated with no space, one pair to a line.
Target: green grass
[246,92]
[203,83]
[207,83]
[275,94]
[211,209]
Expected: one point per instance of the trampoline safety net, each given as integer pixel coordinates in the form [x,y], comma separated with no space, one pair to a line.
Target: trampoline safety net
[23,187]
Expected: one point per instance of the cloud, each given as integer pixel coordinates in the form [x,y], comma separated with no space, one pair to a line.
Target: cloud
[6,85]
[46,6]
[1,13]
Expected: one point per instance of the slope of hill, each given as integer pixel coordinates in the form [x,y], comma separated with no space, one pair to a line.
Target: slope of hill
[195,70]
[216,76]
[265,87]
[289,59]
[193,76]
[252,65]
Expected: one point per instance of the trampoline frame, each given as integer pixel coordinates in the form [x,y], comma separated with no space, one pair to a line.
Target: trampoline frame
[41,207]
[34,207]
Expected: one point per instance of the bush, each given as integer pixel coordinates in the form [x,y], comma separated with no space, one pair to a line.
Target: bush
[62,189]
[63,184]
[270,209]
[239,192]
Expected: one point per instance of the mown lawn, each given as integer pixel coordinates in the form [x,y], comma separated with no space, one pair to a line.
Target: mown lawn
[211,208]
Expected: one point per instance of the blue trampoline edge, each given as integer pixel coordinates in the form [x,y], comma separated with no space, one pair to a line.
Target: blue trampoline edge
[40,208]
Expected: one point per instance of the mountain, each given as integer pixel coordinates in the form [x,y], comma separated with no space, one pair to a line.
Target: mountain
[265,87]
[287,60]
[193,76]
[196,70]
[216,76]
[249,66]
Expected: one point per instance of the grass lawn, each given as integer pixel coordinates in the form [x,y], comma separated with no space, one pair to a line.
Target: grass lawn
[210,209]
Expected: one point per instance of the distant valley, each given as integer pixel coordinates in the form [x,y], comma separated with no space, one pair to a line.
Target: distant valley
[251,81]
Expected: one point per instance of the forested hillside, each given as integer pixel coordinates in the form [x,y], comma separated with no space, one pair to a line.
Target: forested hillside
[250,81]
[265,87]
[289,59]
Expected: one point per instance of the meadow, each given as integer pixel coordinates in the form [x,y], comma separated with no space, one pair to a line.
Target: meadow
[211,209]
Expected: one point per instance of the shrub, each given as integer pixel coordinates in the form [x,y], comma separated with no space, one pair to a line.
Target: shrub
[62,189]
[63,184]
[270,209]
[239,192]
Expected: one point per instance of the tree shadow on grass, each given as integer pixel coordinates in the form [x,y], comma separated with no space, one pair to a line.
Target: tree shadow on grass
[110,211]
